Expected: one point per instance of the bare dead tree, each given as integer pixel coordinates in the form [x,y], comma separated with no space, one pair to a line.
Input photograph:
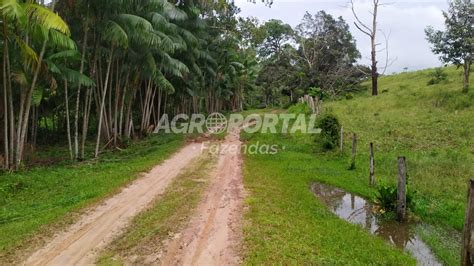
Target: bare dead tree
[372,33]
[388,61]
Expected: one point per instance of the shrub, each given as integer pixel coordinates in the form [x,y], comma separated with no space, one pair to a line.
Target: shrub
[287,105]
[300,108]
[330,130]
[318,92]
[386,197]
[437,76]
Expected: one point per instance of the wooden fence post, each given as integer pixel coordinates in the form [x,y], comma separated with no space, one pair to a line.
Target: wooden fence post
[341,142]
[354,151]
[466,255]
[402,187]
[313,104]
[372,165]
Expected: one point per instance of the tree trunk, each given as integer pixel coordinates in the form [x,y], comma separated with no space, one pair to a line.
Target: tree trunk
[25,110]
[35,129]
[122,105]
[116,105]
[11,112]
[5,96]
[68,127]
[85,122]
[88,100]
[158,106]
[78,97]
[375,89]
[467,72]
[102,105]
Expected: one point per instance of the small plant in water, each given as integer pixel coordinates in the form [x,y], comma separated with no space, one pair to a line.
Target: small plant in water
[386,199]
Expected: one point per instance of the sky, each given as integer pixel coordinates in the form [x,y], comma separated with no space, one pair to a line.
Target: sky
[404,20]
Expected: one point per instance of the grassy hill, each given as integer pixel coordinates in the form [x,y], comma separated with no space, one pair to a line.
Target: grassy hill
[431,125]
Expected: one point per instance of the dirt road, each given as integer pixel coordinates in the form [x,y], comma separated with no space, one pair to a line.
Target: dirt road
[213,236]
[80,243]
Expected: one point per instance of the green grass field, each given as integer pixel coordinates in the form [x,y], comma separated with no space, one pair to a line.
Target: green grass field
[431,125]
[34,201]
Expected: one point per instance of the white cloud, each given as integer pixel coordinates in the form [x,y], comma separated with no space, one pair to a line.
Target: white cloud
[405,20]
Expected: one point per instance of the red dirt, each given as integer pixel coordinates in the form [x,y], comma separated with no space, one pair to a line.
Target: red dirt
[214,235]
[80,243]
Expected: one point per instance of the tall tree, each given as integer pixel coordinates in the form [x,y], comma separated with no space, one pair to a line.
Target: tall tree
[326,51]
[31,28]
[370,31]
[276,34]
[138,60]
[456,44]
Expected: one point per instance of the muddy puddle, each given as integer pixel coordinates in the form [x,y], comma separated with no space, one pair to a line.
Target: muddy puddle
[357,210]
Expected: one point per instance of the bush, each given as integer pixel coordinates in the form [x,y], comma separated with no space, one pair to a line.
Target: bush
[437,76]
[300,108]
[318,92]
[287,105]
[330,130]
[386,197]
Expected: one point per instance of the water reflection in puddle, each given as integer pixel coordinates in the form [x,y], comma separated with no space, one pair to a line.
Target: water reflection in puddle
[358,211]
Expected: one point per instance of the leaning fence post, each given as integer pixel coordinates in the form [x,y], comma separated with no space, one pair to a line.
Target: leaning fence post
[354,151]
[341,142]
[401,191]
[466,237]
[372,165]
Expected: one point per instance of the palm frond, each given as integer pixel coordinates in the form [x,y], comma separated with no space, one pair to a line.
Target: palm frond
[166,43]
[188,36]
[115,34]
[73,54]
[29,56]
[174,66]
[11,9]
[172,12]
[135,22]
[237,65]
[76,78]
[37,95]
[52,67]
[163,83]
[61,40]
[157,20]
[46,18]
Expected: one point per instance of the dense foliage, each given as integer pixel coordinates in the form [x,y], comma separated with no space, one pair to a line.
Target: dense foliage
[330,130]
[108,70]
[319,53]
[72,68]
[456,44]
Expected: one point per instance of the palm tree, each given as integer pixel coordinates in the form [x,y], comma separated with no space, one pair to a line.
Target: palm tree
[33,25]
[137,60]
